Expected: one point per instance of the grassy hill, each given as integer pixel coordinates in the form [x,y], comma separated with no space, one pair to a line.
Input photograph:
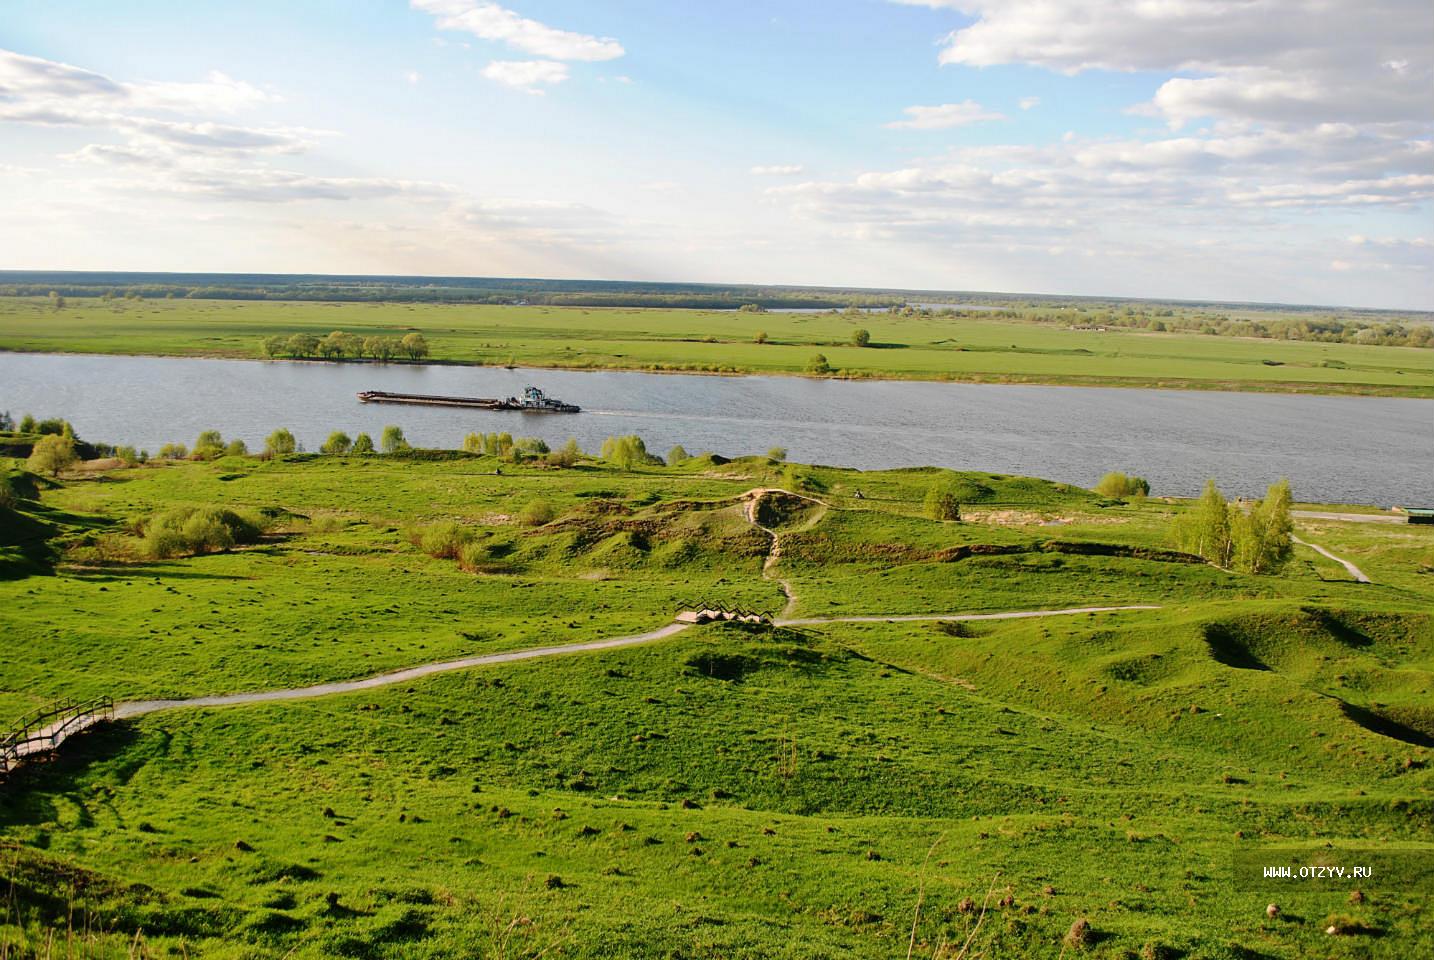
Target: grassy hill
[843,789]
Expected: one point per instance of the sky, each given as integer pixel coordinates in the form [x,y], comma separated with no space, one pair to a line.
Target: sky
[1262,150]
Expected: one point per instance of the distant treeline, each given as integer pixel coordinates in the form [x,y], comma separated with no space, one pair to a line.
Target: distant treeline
[1375,330]
[565,293]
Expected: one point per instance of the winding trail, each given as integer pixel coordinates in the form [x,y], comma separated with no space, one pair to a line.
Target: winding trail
[140,707]
[753,500]
[1354,571]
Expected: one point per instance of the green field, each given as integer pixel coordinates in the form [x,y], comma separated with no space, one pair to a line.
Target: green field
[965,348]
[884,789]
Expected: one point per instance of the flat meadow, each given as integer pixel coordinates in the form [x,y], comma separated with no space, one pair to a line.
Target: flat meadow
[966,347]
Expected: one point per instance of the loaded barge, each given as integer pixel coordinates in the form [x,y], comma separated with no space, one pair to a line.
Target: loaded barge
[532,401]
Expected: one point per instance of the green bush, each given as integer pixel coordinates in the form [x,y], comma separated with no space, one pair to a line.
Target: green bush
[444,541]
[337,443]
[191,530]
[236,448]
[942,502]
[536,513]
[392,440]
[51,454]
[1118,485]
[280,443]
[173,451]
[363,443]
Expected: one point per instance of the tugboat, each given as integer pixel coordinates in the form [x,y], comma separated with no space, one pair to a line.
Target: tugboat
[535,401]
[532,401]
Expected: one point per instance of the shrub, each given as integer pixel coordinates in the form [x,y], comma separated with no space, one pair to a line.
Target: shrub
[280,443]
[677,455]
[173,451]
[363,443]
[1119,485]
[777,453]
[472,557]
[625,452]
[392,440]
[473,443]
[861,338]
[942,502]
[128,454]
[415,346]
[27,423]
[818,364]
[236,448]
[527,448]
[536,513]
[209,445]
[761,337]
[445,541]
[51,454]
[337,443]
[192,530]
[568,455]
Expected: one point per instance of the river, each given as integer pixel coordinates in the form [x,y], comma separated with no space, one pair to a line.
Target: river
[1334,449]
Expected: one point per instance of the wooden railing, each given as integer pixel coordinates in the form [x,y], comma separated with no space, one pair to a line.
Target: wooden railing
[45,729]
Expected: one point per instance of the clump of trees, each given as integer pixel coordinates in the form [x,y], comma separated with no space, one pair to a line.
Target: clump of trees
[1118,485]
[363,444]
[567,455]
[51,454]
[861,338]
[819,364]
[52,426]
[339,345]
[1257,538]
[392,439]
[942,502]
[187,531]
[628,452]
[280,443]
[173,451]
[338,442]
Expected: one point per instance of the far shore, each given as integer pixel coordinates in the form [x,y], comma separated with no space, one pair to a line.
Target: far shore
[1133,383]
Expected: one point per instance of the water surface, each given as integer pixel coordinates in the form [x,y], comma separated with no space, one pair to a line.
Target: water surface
[1337,449]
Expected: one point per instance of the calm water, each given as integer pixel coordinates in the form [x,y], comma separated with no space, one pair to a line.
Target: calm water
[1344,449]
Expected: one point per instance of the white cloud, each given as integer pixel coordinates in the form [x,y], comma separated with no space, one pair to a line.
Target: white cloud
[777,170]
[491,21]
[1028,103]
[34,84]
[1267,60]
[413,77]
[526,75]
[944,116]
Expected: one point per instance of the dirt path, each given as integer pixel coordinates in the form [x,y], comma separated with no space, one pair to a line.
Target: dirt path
[141,707]
[1350,517]
[753,498]
[1354,571]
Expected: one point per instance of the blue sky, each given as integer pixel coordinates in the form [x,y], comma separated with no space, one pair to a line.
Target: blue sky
[1216,149]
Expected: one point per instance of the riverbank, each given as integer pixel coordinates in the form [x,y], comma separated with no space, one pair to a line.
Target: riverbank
[961,349]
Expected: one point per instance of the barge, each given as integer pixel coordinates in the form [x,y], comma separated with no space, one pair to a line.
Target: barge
[533,400]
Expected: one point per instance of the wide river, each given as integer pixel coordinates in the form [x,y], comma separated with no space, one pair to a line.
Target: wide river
[1336,449]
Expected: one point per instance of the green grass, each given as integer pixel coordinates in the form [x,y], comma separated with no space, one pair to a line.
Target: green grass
[729,791]
[964,349]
